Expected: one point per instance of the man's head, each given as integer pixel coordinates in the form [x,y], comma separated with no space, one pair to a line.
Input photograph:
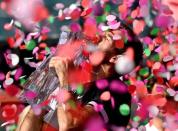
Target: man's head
[121,60]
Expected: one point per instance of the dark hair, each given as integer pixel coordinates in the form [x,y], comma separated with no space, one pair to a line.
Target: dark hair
[133,42]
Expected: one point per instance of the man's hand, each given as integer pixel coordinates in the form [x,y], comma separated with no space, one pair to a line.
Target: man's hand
[70,118]
[61,65]
[28,121]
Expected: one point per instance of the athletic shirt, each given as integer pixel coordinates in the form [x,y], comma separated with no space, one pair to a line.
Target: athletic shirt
[119,95]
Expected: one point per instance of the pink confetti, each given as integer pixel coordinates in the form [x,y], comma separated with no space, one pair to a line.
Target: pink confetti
[18,73]
[37,109]
[59,6]
[114,26]
[110,18]
[138,26]
[30,95]
[63,96]
[118,86]
[2,76]
[102,84]
[95,124]
[143,2]
[35,50]
[105,96]
[75,27]
[163,21]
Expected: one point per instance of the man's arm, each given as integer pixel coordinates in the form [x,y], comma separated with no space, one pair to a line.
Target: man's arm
[74,118]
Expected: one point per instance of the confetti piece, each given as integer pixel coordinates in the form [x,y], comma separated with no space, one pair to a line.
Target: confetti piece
[105,28]
[135,13]
[42,13]
[124,109]
[102,84]
[110,18]
[154,31]
[95,124]
[59,6]
[118,86]
[11,127]
[143,2]
[18,73]
[153,111]
[35,50]
[138,26]
[22,81]
[12,90]
[119,44]
[176,97]
[80,89]
[136,118]
[144,72]
[101,19]
[147,52]
[30,95]
[163,21]
[174,81]
[97,10]
[131,89]
[2,76]
[63,96]
[7,26]
[171,92]
[75,27]
[76,13]
[11,41]
[37,109]
[117,37]
[124,65]
[168,58]
[107,8]
[51,19]
[85,3]
[86,12]
[105,96]
[114,26]
[8,81]
[30,45]
[9,111]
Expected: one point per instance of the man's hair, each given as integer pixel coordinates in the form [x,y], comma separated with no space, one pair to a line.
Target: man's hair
[135,44]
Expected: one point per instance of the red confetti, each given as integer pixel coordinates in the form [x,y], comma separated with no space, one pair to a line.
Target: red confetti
[131,89]
[119,44]
[11,41]
[9,111]
[86,12]
[90,27]
[12,90]
[42,13]
[85,3]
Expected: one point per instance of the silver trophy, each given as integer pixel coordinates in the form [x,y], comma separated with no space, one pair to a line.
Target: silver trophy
[44,80]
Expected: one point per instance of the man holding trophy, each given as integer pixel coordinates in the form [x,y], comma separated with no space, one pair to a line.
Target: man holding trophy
[108,97]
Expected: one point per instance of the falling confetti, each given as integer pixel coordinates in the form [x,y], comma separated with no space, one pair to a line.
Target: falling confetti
[152,83]
[124,109]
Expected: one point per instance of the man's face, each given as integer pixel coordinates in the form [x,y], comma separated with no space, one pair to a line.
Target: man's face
[118,63]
